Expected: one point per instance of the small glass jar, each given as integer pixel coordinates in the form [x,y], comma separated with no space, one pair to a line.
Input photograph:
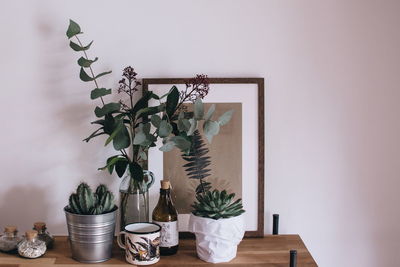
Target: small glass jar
[9,241]
[31,246]
[43,235]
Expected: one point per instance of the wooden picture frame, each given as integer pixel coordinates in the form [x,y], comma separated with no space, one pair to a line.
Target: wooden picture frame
[259,84]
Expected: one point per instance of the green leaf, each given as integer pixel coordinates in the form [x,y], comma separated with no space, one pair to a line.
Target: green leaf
[156,120]
[94,134]
[181,142]
[198,109]
[106,109]
[140,137]
[77,47]
[143,102]
[226,117]
[86,78]
[83,62]
[184,125]
[193,126]
[73,29]
[210,112]
[146,128]
[136,171]
[165,129]
[114,133]
[210,129]
[108,161]
[99,92]
[122,139]
[143,155]
[120,167]
[109,124]
[168,146]
[172,101]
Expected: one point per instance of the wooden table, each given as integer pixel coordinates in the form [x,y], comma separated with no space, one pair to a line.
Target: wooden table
[267,251]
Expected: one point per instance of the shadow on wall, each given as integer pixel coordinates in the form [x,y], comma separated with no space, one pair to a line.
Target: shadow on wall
[66,109]
[23,205]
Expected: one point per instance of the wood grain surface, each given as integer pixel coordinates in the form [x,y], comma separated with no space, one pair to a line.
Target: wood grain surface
[267,251]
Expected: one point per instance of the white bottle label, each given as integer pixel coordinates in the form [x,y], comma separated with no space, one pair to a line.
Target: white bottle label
[169,233]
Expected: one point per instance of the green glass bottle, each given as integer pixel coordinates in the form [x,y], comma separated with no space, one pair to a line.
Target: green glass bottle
[165,215]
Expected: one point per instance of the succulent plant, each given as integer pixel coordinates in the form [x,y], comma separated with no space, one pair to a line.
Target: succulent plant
[85,202]
[216,205]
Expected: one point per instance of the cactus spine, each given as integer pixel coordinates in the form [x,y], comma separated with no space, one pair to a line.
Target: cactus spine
[85,202]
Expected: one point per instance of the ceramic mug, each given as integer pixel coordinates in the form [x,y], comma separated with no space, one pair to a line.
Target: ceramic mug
[142,243]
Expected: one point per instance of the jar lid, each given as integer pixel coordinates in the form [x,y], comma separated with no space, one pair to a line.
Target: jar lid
[165,184]
[31,234]
[10,229]
[39,225]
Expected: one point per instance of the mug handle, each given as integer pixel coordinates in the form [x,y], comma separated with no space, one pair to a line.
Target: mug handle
[119,241]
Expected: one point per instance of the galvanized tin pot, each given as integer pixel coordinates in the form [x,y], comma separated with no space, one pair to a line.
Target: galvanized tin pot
[91,236]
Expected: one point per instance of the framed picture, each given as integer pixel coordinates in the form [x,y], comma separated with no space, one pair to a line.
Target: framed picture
[237,152]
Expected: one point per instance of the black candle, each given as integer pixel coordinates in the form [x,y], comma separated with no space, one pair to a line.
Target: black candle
[275,224]
[293,258]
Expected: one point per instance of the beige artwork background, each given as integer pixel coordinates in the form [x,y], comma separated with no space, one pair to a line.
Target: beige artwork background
[226,160]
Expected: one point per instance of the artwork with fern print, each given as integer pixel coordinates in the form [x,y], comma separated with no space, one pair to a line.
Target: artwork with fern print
[208,166]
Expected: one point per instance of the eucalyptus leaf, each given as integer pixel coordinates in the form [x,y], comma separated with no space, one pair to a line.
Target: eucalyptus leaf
[198,109]
[86,78]
[210,129]
[184,125]
[143,155]
[168,146]
[83,62]
[226,117]
[156,120]
[181,142]
[193,126]
[165,129]
[77,47]
[140,137]
[73,29]
[122,139]
[210,112]
[106,109]
[99,92]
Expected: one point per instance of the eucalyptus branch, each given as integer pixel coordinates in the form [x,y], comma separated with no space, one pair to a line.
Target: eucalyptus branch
[90,68]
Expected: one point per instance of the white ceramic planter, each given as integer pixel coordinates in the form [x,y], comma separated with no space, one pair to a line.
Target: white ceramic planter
[217,240]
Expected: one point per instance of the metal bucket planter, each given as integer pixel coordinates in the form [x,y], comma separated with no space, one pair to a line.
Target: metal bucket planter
[91,236]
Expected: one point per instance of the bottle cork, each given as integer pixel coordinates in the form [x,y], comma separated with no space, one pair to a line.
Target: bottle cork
[39,226]
[10,229]
[31,234]
[165,184]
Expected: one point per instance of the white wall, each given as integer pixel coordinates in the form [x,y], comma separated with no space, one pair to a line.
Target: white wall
[332,113]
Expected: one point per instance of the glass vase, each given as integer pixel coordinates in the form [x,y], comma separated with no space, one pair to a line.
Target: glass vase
[134,199]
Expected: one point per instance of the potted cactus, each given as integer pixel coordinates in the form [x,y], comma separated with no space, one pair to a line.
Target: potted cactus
[91,223]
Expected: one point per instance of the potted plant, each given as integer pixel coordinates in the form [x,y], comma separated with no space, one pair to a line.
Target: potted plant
[91,223]
[218,224]
[216,219]
[134,126]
